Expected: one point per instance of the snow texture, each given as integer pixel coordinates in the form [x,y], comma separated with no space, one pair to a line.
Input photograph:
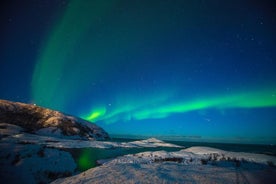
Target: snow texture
[192,165]
[32,139]
[30,163]
[43,121]
[62,141]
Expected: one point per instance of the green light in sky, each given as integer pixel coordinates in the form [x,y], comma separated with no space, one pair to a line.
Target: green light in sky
[122,112]
[53,83]
[97,113]
[243,100]
[144,110]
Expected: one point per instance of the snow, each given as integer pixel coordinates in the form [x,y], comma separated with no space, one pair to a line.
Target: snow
[37,158]
[192,165]
[240,156]
[153,173]
[33,163]
[151,142]
[9,129]
[35,119]
[58,140]
[196,154]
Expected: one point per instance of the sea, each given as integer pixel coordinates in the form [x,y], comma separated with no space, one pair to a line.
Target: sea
[87,158]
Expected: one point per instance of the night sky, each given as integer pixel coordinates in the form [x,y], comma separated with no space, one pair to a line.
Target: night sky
[197,70]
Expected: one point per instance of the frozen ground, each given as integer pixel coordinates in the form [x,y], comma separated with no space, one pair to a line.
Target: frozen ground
[192,165]
[171,172]
[32,163]
[34,158]
[15,134]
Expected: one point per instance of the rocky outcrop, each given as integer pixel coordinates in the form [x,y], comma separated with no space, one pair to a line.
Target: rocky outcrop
[43,121]
[32,163]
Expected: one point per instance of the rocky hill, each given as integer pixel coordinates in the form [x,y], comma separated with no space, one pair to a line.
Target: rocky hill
[43,121]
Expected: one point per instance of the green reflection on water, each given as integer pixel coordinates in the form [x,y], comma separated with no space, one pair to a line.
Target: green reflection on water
[86,158]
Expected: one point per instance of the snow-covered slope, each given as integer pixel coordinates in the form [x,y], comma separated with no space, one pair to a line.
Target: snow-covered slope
[32,158]
[42,121]
[194,155]
[33,163]
[213,154]
[25,130]
[192,165]
[14,134]
[148,143]
[31,151]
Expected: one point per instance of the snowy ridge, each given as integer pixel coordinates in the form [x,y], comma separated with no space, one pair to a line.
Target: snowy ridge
[42,121]
[193,155]
[31,138]
[151,142]
[57,142]
[192,165]
[221,155]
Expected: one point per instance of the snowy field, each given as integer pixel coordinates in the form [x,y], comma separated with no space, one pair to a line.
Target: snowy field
[35,158]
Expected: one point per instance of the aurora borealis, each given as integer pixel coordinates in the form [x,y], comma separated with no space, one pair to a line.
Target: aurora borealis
[246,100]
[201,70]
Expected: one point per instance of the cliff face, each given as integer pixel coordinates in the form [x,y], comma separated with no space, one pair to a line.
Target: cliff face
[42,121]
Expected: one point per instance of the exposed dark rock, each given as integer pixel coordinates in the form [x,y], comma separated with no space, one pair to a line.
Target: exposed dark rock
[204,161]
[35,119]
[33,163]
[270,163]
[173,159]
[16,159]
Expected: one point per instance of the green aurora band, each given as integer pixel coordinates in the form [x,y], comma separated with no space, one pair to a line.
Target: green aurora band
[73,56]
[52,83]
[144,110]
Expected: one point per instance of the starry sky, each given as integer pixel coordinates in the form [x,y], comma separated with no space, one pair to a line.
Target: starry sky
[197,70]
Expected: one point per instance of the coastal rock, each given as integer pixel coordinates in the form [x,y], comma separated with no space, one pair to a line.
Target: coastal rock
[43,121]
[31,163]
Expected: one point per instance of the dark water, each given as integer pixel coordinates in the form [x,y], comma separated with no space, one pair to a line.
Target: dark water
[86,158]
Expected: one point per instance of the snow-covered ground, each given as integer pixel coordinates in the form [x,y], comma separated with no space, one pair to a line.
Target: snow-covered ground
[170,172]
[194,156]
[192,165]
[37,158]
[32,163]
[14,134]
